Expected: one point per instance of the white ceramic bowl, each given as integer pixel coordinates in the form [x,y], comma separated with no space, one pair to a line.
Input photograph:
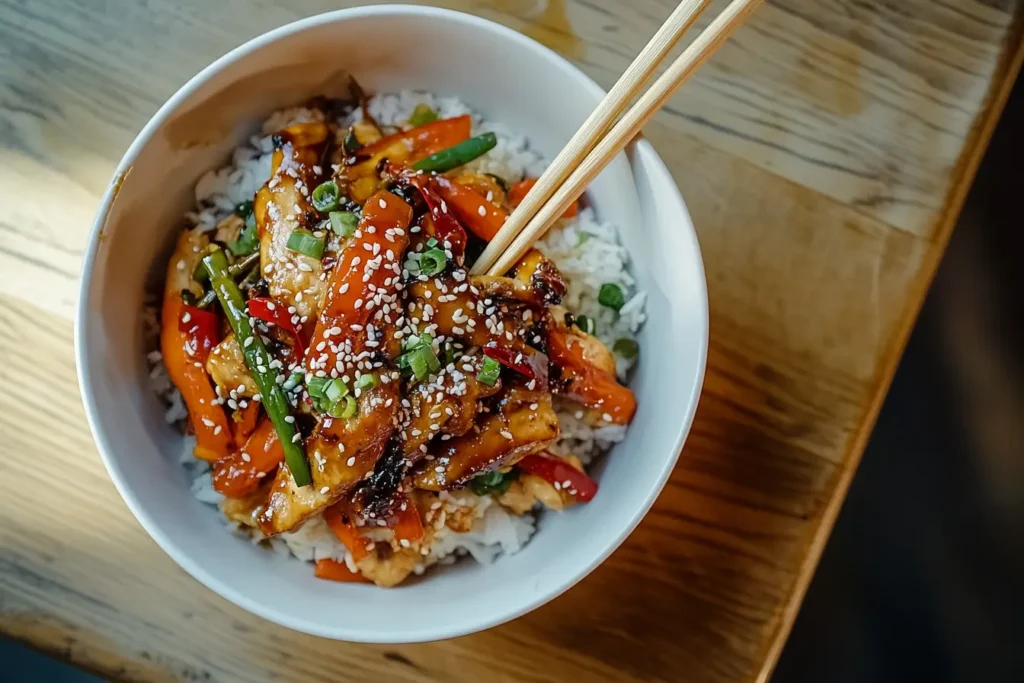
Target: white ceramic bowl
[508,78]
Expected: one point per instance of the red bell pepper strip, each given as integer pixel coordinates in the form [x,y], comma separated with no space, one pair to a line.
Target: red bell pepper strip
[270,311]
[560,474]
[529,362]
[242,472]
[354,283]
[407,524]
[446,227]
[332,570]
[409,146]
[517,193]
[588,384]
[202,328]
[472,208]
[213,431]
[339,519]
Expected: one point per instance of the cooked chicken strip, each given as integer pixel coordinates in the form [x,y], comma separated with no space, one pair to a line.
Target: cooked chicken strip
[525,423]
[283,205]
[341,452]
[226,365]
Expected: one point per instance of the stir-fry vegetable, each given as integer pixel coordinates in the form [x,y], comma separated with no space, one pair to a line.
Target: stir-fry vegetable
[242,472]
[258,360]
[343,223]
[332,570]
[588,384]
[476,213]
[611,295]
[305,242]
[457,155]
[213,431]
[339,519]
[412,145]
[421,115]
[274,312]
[560,474]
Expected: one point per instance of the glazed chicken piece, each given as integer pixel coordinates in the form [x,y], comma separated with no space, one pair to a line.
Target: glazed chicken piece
[524,423]
[535,281]
[448,406]
[282,206]
[243,510]
[341,452]
[227,367]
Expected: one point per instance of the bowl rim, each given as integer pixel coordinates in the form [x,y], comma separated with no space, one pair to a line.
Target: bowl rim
[152,527]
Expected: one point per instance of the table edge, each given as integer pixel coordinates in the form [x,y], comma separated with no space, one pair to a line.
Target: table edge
[983,127]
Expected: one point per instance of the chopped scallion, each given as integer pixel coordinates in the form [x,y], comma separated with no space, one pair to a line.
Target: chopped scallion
[627,348]
[611,295]
[490,369]
[305,242]
[422,115]
[366,381]
[343,223]
[349,407]
[326,196]
[585,324]
[248,240]
[432,261]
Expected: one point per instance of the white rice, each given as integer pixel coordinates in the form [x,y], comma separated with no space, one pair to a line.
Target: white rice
[586,250]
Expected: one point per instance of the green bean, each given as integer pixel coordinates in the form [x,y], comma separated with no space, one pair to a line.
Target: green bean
[258,361]
[460,154]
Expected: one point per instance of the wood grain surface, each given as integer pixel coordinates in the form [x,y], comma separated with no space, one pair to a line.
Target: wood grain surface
[824,154]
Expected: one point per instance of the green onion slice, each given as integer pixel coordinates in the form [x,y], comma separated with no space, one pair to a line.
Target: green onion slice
[585,324]
[343,223]
[490,369]
[432,261]
[366,381]
[627,348]
[326,196]
[611,295]
[305,242]
[422,115]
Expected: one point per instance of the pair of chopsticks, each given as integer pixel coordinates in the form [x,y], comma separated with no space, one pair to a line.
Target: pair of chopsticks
[600,137]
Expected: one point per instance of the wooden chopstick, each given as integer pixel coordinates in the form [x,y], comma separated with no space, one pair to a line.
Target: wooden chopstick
[597,124]
[510,242]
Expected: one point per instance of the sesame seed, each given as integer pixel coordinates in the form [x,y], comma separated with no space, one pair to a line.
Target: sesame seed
[325,489]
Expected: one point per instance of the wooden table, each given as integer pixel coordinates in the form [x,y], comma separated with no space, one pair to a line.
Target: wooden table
[824,153]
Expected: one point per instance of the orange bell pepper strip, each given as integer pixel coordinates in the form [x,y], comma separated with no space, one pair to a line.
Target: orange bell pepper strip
[381,238]
[242,472]
[407,524]
[339,519]
[332,570]
[409,146]
[517,193]
[471,208]
[213,431]
[588,384]
[245,420]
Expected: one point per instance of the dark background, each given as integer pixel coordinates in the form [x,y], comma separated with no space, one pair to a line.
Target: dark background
[923,577]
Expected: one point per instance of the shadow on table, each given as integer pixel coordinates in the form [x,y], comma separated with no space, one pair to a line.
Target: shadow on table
[923,578]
